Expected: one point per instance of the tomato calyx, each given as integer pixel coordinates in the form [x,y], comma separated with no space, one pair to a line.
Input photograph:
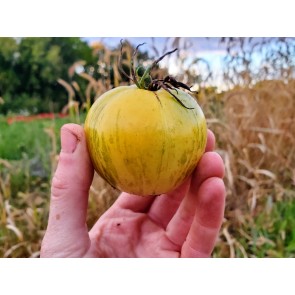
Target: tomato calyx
[142,78]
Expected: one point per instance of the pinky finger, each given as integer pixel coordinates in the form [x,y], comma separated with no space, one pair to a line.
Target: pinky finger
[207,221]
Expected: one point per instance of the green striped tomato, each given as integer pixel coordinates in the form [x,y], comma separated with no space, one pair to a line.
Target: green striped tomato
[142,143]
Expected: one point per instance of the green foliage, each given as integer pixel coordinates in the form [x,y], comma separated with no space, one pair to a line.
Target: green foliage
[8,57]
[20,140]
[30,67]
[28,148]
[277,227]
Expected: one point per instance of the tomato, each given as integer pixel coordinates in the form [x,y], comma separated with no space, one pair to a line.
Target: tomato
[145,142]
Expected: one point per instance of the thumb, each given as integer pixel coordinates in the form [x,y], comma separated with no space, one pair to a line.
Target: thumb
[69,191]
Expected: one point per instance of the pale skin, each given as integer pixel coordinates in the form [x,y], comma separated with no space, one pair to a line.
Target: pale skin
[183,223]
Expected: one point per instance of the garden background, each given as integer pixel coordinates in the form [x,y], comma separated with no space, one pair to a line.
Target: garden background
[249,103]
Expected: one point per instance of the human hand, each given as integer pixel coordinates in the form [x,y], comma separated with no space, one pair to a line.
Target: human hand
[183,223]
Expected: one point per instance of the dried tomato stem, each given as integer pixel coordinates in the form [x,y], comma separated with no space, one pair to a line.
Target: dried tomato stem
[148,69]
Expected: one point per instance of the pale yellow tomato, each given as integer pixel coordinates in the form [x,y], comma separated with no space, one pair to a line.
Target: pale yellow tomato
[143,143]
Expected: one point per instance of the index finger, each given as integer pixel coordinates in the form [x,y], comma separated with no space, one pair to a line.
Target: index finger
[210,141]
[207,221]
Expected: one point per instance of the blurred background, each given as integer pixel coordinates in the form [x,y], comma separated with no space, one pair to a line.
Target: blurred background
[245,86]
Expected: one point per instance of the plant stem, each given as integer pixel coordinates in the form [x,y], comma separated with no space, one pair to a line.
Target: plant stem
[145,74]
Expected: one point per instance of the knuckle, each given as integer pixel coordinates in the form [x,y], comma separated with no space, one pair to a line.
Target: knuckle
[59,185]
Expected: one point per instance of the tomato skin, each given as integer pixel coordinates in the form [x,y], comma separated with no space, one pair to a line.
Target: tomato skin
[142,144]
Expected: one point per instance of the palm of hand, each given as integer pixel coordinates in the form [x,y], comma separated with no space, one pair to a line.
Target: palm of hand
[163,226]
[137,227]
[131,234]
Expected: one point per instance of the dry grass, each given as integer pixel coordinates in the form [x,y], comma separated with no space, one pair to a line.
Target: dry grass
[22,218]
[255,137]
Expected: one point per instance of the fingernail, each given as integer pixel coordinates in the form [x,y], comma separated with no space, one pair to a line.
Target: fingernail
[68,141]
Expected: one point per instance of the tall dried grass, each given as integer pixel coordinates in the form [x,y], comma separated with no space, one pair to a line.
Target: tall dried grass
[255,137]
